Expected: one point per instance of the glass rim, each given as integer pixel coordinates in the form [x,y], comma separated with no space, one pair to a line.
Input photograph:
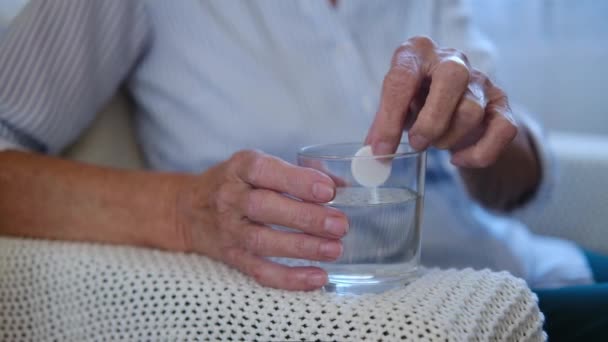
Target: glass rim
[303,152]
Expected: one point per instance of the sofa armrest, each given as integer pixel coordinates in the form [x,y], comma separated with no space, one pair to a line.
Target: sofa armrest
[578,206]
[75,292]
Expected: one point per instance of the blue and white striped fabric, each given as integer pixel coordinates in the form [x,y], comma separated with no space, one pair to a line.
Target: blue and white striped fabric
[213,77]
[61,60]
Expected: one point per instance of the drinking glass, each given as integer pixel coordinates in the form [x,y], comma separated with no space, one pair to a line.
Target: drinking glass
[382,247]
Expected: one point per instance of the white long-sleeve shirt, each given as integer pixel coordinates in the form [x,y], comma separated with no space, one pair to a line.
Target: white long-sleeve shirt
[212,77]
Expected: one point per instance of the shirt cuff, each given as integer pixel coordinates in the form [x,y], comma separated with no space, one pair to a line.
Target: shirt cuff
[546,159]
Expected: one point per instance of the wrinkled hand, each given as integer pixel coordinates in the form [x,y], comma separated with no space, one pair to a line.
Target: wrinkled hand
[445,103]
[225,213]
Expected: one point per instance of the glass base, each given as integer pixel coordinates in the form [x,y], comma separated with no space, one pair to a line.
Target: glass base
[362,284]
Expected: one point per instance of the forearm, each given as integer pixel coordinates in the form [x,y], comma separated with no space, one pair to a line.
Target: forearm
[511,180]
[50,198]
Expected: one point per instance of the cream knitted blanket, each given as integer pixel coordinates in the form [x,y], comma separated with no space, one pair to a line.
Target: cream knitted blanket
[58,291]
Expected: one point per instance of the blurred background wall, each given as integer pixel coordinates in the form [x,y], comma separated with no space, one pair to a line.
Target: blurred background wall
[552,58]
[8,8]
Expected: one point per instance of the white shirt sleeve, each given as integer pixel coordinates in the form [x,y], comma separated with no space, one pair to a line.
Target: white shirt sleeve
[59,62]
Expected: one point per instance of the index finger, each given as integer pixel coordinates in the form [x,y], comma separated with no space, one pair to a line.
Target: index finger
[263,171]
[398,89]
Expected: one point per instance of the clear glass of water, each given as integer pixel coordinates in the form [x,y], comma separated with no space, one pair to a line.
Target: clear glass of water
[382,246]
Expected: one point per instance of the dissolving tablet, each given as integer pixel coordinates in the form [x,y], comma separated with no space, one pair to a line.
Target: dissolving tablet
[369,172]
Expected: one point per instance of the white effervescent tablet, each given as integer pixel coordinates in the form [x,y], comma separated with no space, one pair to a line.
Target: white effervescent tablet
[369,172]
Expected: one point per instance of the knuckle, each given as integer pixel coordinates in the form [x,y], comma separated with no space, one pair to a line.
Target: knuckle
[456,70]
[500,99]
[224,198]
[243,156]
[402,77]
[302,247]
[404,60]
[405,65]
[499,91]
[251,160]
[457,53]
[254,202]
[257,167]
[403,49]
[478,76]
[302,218]
[423,42]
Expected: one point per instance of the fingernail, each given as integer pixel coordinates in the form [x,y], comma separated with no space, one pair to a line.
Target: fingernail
[419,142]
[336,226]
[322,192]
[331,249]
[317,279]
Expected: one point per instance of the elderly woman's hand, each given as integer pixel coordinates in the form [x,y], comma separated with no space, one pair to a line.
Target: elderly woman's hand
[226,213]
[446,102]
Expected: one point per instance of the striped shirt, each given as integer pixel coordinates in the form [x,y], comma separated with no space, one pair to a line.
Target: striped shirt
[212,77]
